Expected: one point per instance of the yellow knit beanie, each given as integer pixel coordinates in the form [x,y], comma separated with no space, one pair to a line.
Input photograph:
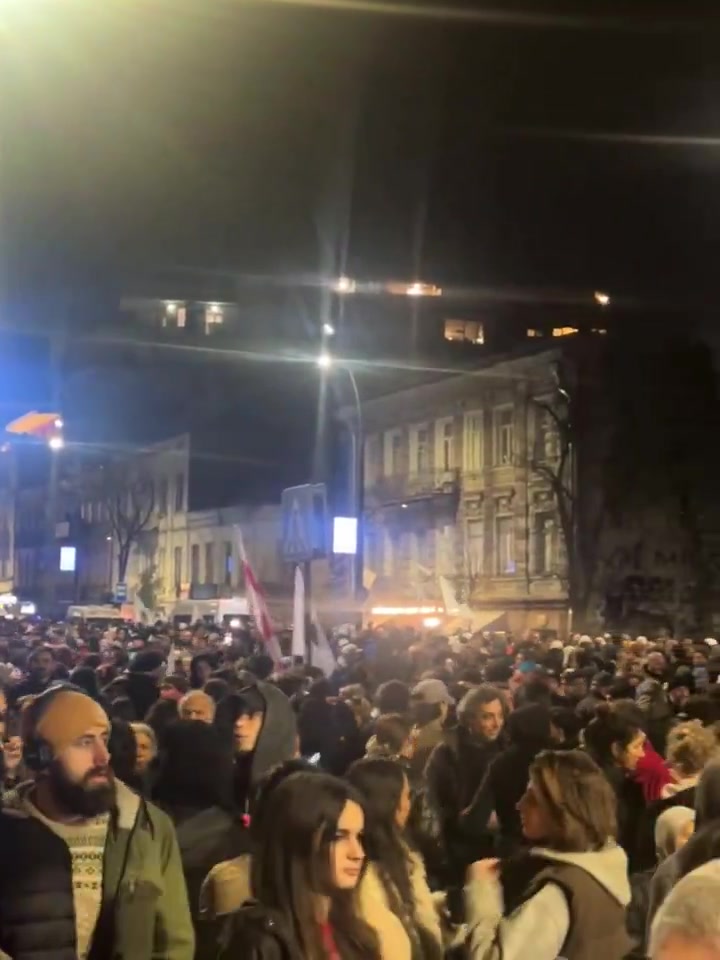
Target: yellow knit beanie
[68,715]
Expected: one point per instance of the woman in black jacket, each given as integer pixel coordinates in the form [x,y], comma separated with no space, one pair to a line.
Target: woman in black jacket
[304,876]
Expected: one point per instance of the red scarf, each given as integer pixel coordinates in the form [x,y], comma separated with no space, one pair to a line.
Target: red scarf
[331,950]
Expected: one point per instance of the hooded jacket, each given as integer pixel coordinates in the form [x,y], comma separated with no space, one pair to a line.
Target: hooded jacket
[573,906]
[144,912]
[276,743]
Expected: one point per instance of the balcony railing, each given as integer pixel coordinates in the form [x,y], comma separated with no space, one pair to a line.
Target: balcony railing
[413,486]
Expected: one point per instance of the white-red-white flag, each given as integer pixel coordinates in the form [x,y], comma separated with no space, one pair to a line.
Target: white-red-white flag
[257,604]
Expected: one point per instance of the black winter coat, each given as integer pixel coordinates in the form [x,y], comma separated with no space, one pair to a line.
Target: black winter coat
[255,933]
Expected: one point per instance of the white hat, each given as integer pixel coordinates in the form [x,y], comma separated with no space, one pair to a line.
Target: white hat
[432,691]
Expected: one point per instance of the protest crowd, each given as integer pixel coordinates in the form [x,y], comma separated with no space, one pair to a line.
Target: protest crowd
[172,793]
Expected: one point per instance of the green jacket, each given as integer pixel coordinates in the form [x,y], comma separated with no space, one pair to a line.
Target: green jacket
[144,913]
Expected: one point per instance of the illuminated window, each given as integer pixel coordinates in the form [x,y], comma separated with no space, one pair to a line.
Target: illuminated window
[464,331]
[213,316]
[564,331]
[534,333]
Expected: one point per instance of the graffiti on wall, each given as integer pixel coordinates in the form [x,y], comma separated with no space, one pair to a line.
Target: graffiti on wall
[642,580]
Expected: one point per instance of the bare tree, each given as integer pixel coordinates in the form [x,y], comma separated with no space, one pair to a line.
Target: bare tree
[572,474]
[127,491]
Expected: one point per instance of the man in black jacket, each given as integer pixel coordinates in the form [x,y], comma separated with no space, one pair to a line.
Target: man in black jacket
[457,766]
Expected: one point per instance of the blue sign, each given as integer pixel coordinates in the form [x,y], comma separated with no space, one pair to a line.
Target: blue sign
[121,592]
[304,515]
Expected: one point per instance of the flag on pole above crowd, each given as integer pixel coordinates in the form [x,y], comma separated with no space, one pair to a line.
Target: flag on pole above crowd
[322,655]
[257,604]
[298,635]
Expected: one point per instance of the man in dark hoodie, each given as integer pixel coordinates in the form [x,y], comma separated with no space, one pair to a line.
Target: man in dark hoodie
[264,734]
[142,684]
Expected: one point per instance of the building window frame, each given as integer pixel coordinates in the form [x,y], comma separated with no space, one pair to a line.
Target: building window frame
[505,563]
[474,441]
[504,435]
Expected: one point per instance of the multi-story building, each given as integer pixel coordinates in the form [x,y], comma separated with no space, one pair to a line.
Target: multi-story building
[187,553]
[180,547]
[451,490]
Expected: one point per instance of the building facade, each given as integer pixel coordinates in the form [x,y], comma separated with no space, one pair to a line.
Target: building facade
[451,491]
[175,552]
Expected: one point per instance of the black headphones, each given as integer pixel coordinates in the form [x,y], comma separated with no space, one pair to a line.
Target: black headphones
[38,754]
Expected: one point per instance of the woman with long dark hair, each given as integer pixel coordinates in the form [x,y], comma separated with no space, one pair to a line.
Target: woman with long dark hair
[616,742]
[395,877]
[304,878]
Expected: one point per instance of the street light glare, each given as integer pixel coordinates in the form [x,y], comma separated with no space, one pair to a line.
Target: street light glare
[324,361]
[344,285]
[56,443]
[328,329]
[602,298]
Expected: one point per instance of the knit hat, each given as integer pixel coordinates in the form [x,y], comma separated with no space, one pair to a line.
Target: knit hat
[67,715]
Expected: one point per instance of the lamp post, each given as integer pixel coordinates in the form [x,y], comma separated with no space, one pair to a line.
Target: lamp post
[327,362]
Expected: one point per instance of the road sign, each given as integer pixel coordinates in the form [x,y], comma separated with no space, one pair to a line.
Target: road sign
[304,530]
[121,591]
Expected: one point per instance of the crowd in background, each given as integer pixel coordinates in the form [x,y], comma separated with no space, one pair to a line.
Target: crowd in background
[173,793]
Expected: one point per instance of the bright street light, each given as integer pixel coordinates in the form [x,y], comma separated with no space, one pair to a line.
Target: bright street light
[324,361]
[59,423]
[56,443]
[344,285]
[603,299]
[328,329]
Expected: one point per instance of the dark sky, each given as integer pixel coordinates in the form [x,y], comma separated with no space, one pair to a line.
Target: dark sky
[263,138]
[222,133]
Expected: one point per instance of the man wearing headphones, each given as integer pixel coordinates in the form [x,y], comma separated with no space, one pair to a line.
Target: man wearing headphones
[87,868]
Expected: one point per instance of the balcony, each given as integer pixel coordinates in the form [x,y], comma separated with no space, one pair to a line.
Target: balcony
[434,491]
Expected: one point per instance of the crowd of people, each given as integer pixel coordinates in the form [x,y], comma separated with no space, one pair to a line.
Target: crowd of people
[170,794]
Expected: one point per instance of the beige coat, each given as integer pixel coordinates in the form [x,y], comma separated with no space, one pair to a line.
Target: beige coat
[376,910]
[227,887]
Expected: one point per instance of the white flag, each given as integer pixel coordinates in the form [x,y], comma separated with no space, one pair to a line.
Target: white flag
[298,636]
[322,655]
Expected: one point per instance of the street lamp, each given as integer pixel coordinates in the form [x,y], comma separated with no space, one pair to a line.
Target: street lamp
[325,361]
[328,330]
[56,443]
[344,285]
[602,299]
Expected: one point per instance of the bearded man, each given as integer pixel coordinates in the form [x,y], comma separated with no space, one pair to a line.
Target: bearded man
[88,870]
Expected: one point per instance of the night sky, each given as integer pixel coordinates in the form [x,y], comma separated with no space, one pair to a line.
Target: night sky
[257,139]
